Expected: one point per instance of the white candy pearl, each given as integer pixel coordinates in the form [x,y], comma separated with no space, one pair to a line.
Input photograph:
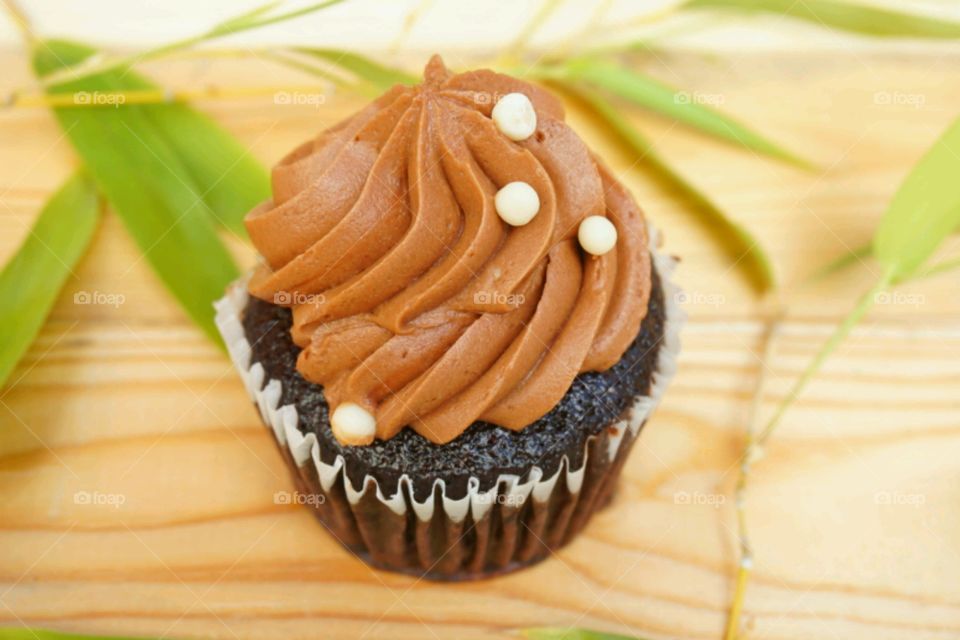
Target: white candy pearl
[517,203]
[515,117]
[352,424]
[597,235]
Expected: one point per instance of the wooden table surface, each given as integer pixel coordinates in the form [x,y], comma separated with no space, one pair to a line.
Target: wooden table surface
[854,510]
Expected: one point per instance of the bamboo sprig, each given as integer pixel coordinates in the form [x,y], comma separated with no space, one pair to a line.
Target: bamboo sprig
[754,444]
[752,451]
[923,213]
[245,22]
[150,96]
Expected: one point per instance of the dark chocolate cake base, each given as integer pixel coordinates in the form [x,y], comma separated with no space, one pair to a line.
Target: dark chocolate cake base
[506,538]
[573,435]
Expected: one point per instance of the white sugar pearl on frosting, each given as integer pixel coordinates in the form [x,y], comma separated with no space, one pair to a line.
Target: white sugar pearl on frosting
[515,117]
[352,424]
[517,203]
[597,235]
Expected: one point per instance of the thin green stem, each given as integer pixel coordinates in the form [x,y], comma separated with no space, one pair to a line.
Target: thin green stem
[751,452]
[283,17]
[863,305]
[251,20]
[159,95]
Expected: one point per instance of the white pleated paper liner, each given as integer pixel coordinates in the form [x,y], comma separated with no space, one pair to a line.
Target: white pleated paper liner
[558,507]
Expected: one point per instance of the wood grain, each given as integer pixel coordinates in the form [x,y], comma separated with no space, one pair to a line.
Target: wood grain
[855,509]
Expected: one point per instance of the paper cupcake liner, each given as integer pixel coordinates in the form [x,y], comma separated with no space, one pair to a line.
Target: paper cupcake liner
[518,521]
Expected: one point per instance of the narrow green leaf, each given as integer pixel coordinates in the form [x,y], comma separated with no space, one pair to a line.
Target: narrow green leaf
[240,21]
[740,244]
[924,210]
[231,180]
[148,184]
[379,76]
[260,20]
[661,98]
[550,633]
[848,16]
[32,279]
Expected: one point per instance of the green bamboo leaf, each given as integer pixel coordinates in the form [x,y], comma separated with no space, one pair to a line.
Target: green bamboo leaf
[741,245]
[231,179]
[549,633]
[925,209]
[32,279]
[148,184]
[379,76]
[848,16]
[661,98]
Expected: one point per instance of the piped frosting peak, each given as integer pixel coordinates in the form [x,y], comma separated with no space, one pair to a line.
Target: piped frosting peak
[427,288]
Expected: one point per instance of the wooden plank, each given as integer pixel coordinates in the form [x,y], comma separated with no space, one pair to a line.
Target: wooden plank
[853,509]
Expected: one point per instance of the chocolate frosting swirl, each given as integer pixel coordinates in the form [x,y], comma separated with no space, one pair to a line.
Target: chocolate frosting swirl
[411,297]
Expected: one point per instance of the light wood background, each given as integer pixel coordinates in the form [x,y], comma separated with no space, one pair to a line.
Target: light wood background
[855,509]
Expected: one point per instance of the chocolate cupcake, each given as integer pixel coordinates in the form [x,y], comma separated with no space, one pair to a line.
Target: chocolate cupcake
[458,327]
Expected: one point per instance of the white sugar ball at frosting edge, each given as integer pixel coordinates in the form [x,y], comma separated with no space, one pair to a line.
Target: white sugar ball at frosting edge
[597,235]
[352,424]
[517,203]
[515,116]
